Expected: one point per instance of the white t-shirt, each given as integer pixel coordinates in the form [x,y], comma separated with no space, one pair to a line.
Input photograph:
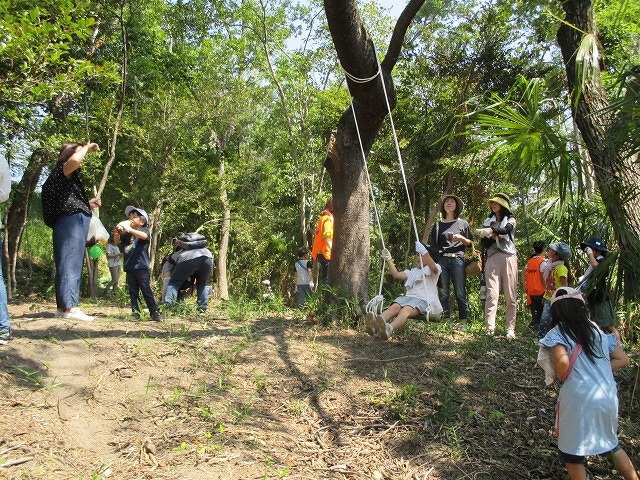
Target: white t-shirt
[424,285]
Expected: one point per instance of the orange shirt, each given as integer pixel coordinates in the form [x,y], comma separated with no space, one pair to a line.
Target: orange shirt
[323,235]
[533,278]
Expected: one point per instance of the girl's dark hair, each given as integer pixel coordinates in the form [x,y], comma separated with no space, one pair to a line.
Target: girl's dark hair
[571,315]
[569,274]
[67,150]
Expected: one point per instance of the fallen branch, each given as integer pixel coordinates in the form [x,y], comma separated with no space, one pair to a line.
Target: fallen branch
[3,452]
[17,461]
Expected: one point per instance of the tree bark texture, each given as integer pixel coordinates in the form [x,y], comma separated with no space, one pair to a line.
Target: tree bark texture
[349,266]
[17,211]
[616,174]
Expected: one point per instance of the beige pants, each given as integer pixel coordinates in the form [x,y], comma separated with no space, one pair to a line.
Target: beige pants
[501,271]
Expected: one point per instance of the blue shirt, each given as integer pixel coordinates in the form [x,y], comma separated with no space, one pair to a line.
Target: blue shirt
[136,255]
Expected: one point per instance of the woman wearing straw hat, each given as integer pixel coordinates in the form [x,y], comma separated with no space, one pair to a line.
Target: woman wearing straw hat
[451,235]
[501,266]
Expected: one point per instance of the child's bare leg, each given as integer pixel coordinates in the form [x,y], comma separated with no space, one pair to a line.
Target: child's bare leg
[403,315]
[624,466]
[576,471]
[390,312]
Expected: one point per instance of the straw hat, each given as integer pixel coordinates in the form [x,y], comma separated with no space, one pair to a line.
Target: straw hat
[501,199]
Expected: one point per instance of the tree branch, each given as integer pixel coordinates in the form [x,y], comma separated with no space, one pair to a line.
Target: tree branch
[400,30]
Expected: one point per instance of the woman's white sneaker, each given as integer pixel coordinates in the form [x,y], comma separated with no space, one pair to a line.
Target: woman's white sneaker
[76,314]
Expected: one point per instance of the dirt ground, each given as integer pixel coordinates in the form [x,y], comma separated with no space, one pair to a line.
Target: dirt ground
[228,396]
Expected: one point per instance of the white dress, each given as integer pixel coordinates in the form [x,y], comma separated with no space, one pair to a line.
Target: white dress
[588,400]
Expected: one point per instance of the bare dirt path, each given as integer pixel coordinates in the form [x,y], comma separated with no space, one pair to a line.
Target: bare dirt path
[272,397]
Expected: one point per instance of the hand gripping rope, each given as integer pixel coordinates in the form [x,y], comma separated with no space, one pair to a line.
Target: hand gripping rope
[375,305]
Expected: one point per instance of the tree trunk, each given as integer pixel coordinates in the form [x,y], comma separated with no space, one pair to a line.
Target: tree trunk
[222,287]
[17,211]
[617,176]
[349,266]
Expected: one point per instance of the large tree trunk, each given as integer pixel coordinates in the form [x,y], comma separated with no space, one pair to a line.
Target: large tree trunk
[349,265]
[16,213]
[616,174]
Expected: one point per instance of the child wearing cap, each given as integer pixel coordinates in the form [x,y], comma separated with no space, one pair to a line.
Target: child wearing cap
[596,288]
[304,274]
[136,261]
[584,359]
[555,274]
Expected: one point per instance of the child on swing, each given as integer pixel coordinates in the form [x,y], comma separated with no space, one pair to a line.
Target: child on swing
[584,358]
[421,294]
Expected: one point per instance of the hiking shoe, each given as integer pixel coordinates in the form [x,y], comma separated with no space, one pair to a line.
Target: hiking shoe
[370,323]
[511,335]
[76,314]
[462,327]
[156,317]
[5,337]
[135,316]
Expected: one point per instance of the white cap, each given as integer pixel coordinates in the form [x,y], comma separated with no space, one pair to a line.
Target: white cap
[567,292]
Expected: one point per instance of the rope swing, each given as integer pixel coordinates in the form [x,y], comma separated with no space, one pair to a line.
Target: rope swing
[375,305]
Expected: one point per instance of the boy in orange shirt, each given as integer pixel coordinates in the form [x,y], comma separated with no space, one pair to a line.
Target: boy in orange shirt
[533,285]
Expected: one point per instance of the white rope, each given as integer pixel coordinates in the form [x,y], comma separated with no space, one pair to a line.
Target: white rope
[376,301]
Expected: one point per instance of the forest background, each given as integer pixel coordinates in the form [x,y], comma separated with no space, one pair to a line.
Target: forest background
[216,117]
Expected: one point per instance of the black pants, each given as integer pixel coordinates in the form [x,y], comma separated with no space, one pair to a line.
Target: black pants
[324,267]
[140,281]
[537,303]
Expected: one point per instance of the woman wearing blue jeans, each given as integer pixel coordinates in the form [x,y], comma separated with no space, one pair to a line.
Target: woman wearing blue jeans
[67,210]
[450,236]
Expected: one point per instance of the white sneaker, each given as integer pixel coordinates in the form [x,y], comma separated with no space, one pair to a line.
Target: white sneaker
[511,335]
[370,323]
[76,314]
[386,333]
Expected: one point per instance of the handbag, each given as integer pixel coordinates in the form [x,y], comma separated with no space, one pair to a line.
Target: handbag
[473,264]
